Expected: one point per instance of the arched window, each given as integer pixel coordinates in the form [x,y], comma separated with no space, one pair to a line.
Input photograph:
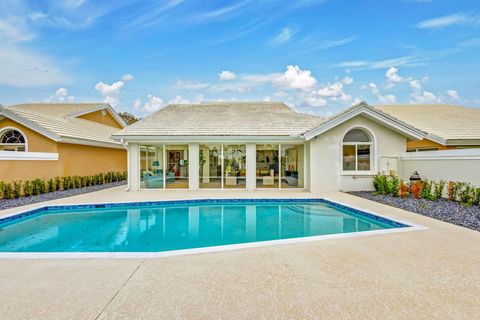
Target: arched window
[12,140]
[357,151]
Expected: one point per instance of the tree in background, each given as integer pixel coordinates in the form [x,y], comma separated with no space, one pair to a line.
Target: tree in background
[128,117]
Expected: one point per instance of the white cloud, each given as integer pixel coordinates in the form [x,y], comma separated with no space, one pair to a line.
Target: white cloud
[415,84]
[392,77]
[227,75]
[372,87]
[110,92]
[387,99]
[61,95]
[126,77]
[423,97]
[191,85]
[295,78]
[444,21]
[347,80]
[284,36]
[137,104]
[452,94]
[330,91]
[316,101]
[381,64]
[179,100]
[153,104]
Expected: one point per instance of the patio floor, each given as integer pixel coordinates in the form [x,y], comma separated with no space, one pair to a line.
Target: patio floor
[427,274]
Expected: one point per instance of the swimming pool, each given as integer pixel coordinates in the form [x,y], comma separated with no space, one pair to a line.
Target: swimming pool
[178,225]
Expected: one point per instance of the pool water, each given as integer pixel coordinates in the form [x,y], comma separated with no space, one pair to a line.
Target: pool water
[175,225]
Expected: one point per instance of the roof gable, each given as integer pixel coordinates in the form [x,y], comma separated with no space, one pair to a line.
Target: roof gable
[370,112]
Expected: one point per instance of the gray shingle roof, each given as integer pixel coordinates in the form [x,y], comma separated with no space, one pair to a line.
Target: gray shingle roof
[445,121]
[224,119]
[54,119]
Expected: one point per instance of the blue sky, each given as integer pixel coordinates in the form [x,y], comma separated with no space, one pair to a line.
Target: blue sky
[317,56]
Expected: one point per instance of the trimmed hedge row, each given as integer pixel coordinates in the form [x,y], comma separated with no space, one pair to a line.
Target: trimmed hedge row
[17,189]
[462,192]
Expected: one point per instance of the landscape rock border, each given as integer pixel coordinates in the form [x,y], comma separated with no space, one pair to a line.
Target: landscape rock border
[443,209]
[23,201]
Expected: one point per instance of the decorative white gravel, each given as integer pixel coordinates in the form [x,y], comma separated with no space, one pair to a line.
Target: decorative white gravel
[12,203]
[445,210]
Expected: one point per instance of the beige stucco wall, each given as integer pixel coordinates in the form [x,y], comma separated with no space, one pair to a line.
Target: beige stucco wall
[106,119]
[85,160]
[36,142]
[73,159]
[325,156]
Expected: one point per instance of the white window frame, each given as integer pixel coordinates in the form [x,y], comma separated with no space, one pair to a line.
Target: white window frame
[373,152]
[4,129]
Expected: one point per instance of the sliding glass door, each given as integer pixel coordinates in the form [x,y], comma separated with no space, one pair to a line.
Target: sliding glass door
[280,166]
[177,166]
[210,166]
[151,167]
[292,171]
[234,164]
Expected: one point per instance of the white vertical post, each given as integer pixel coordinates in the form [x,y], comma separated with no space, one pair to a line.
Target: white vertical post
[134,166]
[193,166]
[251,166]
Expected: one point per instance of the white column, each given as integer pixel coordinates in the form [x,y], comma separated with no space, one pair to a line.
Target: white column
[251,153]
[193,166]
[134,166]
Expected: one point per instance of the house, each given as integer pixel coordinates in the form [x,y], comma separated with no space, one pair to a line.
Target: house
[448,127]
[46,140]
[262,145]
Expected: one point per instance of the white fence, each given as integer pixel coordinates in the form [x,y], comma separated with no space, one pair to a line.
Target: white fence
[450,165]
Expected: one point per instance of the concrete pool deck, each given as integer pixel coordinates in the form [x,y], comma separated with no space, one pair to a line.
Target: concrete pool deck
[425,274]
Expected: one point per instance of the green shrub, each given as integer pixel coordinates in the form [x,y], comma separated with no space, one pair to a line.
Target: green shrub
[438,189]
[426,192]
[38,187]
[2,187]
[50,185]
[58,184]
[27,188]
[466,193]
[17,189]
[393,185]
[7,190]
[380,183]
[476,199]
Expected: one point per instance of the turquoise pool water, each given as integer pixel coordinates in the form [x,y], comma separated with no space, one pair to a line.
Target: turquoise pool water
[157,227]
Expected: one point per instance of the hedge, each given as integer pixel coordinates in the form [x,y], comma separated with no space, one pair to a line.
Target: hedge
[17,189]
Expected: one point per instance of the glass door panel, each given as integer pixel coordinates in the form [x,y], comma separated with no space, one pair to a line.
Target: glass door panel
[234,166]
[292,162]
[210,166]
[176,175]
[151,167]
[267,166]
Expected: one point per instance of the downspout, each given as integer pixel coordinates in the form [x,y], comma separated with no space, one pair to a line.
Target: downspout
[125,144]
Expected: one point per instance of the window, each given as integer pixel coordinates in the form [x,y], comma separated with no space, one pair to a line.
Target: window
[12,140]
[357,151]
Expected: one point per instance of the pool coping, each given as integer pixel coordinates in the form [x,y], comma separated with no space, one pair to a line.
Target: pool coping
[403,226]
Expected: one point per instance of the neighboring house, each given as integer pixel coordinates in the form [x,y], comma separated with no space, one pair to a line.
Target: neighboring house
[46,140]
[257,145]
[448,127]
